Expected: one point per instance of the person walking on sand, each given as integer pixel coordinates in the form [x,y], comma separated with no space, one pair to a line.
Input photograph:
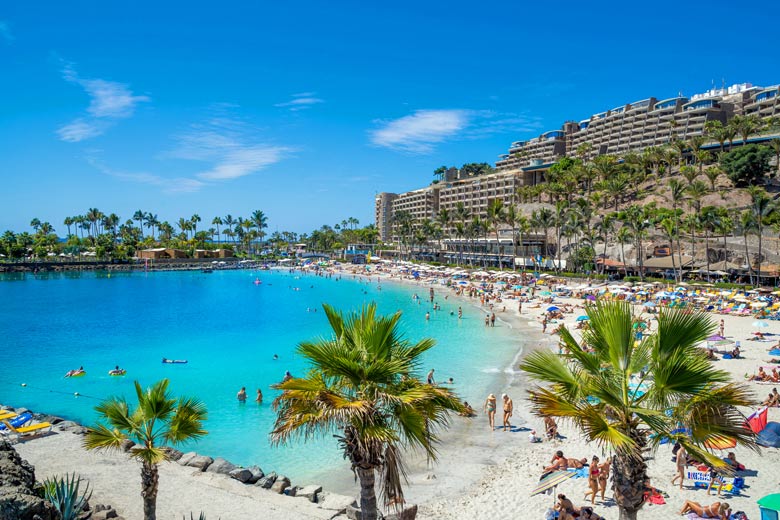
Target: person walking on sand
[603,476]
[519,307]
[722,328]
[430,379]
[593,479]
[241,395]
[681,460]
[490,409]
[508,409]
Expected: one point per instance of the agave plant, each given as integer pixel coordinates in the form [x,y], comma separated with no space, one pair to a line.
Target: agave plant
[64,494]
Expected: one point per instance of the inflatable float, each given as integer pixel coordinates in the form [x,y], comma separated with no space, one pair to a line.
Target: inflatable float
[120,372]
[174,361]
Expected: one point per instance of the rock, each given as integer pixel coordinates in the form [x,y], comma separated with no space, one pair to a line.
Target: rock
[267,481]
[173,454]
[241,474]
[126,445]
[257,474]
[187,457]
[105,514]
[280,485]
[353,511]
[409,512]
[291,491]
[221,466]
[202,462]
[334,502]
[309,492]
[70,426]
[18,499]
[20,411]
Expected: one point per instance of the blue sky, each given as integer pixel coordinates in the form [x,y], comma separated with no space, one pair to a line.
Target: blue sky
[307,109]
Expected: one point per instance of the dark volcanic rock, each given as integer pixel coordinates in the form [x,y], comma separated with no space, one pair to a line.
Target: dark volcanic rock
[220,465]
[17,498]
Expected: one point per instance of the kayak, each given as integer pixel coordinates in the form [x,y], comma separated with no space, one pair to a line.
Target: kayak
[117,372]
[174,361]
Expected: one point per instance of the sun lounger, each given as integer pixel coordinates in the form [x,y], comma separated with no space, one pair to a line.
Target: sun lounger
[7,415]
[25,431]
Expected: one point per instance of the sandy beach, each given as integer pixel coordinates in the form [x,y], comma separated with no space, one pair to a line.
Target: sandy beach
[481,473]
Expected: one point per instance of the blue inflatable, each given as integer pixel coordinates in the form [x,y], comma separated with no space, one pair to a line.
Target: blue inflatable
[770,435]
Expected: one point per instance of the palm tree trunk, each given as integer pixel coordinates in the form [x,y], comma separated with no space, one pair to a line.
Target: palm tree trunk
[149,479]
[760,236]
[628,480]
[368,507]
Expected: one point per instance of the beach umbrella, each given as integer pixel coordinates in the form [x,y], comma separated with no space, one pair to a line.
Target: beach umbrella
[582,318]
[648,304]
[760,324]
[552,309]
[716,337]
[591,298]
[552,481]
[545,293]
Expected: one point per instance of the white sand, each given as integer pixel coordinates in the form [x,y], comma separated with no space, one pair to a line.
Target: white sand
[481,473]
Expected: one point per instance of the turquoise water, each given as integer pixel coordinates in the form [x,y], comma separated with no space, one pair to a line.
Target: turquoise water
[228,329]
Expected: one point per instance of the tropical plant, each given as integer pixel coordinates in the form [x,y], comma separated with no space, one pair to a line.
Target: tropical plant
[626,397]
[363,383]
[747,165]
[65,495]
[157,420]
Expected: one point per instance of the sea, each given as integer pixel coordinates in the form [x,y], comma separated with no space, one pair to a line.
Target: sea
[233,332]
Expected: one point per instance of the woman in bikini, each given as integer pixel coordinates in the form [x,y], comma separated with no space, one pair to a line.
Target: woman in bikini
[593,479]
[565,508]
[681,460]
[603,476]
[716,510]
[490,409]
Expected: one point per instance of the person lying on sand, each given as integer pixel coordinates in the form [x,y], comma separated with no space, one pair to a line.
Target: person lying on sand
[586,513]
[565,508]
[716,510]
[578,463]
[735,353]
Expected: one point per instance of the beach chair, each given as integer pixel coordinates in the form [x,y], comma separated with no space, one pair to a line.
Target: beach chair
[25,431]
[5,414]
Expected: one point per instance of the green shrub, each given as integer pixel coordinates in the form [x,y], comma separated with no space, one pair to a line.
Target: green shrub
[747,165]
[64,495]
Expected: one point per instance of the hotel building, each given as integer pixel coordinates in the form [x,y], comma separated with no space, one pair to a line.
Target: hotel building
[631,127]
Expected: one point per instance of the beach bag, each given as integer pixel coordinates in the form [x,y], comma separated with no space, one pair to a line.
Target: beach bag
[739,515]
[551,515]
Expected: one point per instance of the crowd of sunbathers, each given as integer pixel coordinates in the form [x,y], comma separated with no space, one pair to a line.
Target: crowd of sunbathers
[762,376]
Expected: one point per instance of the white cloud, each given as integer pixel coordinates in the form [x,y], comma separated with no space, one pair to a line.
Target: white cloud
[81,129]
[170,185]
[301,101]
[109,102]
[5,32]
[419,132]
[230,146]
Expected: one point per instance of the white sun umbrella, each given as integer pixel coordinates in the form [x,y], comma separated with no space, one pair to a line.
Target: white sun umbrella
[760,324]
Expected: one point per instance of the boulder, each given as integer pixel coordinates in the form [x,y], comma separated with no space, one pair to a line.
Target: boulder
[18,499]
[257,474]
[221,466]
[267,481]
[309,492]
[202,462]
[173,454]
[70,426]
[241,474]
[187,457]
[20,411]
[334,502]
[280,485]
[409,512]
[105,514]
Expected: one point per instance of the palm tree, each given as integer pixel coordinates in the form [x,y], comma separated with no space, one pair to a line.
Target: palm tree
[443,219]
[159,419]
[761,207]
[669,227]
[217,221]
[593,388]
[194,219]
[151,220]
[746,126]
[747,226]
[603,228]
[363,383]
[774,144]
[512,218]
[139,217]
[260,221]
[68,222]
[623,237]
[495,217]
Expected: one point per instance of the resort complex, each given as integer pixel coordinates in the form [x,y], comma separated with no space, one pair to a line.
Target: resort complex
[601,159]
